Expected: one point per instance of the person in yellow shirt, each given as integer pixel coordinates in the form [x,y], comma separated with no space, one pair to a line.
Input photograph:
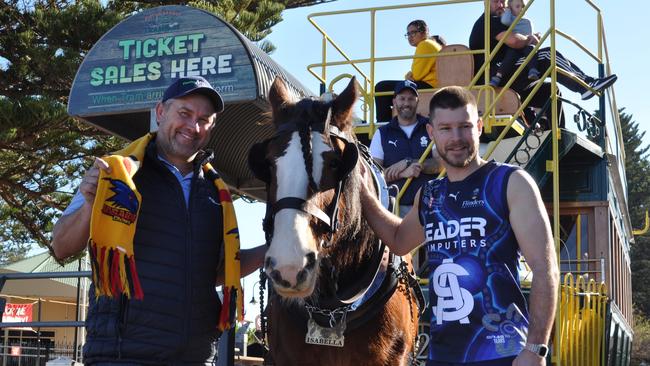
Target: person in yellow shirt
[423,69]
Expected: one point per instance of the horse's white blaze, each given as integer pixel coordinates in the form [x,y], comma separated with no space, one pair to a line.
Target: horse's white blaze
[291,240]
[292,236]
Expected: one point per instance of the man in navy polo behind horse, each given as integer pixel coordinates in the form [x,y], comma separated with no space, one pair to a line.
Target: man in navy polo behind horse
[398,145]
[474,223]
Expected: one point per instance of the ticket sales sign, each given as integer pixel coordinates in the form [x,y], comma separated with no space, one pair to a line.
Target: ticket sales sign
[130,67]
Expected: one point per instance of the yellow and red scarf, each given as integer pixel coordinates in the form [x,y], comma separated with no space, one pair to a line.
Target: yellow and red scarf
[112,228]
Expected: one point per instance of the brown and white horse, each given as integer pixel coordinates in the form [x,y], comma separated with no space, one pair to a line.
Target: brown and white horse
[338,297]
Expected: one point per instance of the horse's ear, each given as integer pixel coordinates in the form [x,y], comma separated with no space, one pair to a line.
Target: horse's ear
[342,106]
[278,97]
[257,161]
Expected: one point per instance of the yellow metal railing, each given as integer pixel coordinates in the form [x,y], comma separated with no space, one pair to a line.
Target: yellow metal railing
[582,313]
[368,79]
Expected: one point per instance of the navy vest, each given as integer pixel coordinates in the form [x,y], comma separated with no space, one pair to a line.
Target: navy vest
[398,147]
[177,251]
[478,312]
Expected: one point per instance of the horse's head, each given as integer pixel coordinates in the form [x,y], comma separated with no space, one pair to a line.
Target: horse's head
[306,165]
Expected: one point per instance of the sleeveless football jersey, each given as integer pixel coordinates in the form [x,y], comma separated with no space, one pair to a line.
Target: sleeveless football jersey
[478,312]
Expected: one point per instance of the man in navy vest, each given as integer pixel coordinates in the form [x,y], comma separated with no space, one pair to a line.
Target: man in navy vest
[178,243]
[398,145]
[475,222]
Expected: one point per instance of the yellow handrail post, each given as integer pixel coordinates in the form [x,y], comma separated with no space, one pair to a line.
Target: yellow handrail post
[486,51]
[578,241]
[324,59]
[556,177]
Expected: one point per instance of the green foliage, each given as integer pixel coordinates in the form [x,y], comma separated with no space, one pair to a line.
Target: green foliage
[43,151]
[637,168]
[254,19]
[641,343]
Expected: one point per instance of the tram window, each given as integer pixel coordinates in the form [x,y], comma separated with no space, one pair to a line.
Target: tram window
[574,243]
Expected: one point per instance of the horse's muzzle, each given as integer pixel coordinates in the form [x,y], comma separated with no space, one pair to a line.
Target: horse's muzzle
[289,279]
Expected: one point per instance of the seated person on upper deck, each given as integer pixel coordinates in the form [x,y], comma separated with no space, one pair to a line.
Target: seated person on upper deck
[423,69]
[522,84]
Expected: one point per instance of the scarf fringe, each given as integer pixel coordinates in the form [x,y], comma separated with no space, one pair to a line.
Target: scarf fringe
[114,273]
[232,308]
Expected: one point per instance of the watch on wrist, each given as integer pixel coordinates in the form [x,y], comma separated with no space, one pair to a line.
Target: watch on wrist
[538,349]
[409,161]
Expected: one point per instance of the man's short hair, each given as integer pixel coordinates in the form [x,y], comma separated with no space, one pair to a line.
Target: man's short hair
[450,97]
[420,25]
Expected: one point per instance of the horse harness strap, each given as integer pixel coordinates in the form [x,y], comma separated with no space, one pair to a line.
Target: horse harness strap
[301,205]
[356,304]
[378,177]
[342,296]
[359,315]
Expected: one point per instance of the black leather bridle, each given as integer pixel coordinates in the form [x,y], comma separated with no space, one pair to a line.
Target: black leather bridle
[328,218]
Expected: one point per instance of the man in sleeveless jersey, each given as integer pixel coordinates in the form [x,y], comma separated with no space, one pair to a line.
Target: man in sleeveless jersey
[475,223]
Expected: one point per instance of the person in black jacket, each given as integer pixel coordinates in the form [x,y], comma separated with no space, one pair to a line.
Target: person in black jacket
[178,243]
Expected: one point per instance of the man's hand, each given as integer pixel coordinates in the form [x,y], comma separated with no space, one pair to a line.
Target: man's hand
[409,76]
[405,168]
[412,171]
[88,186]
[527,358]
[533,39]
[392,173]
[71,232]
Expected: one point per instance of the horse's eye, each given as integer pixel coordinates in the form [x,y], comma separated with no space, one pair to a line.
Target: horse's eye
[334,164]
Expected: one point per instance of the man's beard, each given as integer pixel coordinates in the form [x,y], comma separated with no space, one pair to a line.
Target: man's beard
[406,114]
[471,155]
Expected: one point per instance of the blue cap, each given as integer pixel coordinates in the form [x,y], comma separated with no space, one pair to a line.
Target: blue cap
[194,84]
[406,84]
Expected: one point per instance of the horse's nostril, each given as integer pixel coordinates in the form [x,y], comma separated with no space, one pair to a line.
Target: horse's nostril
[311,261]
[276,276]
[301,277]
[277,279]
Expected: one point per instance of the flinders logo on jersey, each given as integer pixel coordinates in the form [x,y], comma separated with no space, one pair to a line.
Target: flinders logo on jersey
[474,202]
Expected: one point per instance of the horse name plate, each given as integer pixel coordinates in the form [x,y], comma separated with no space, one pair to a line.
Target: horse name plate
[322,336]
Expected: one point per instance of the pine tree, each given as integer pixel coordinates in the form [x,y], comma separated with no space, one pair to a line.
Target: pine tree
[637,168]
[44,152]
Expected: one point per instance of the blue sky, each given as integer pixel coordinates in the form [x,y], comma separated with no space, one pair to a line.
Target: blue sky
[299,44]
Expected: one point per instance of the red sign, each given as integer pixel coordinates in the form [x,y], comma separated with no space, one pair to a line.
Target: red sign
[17,313]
